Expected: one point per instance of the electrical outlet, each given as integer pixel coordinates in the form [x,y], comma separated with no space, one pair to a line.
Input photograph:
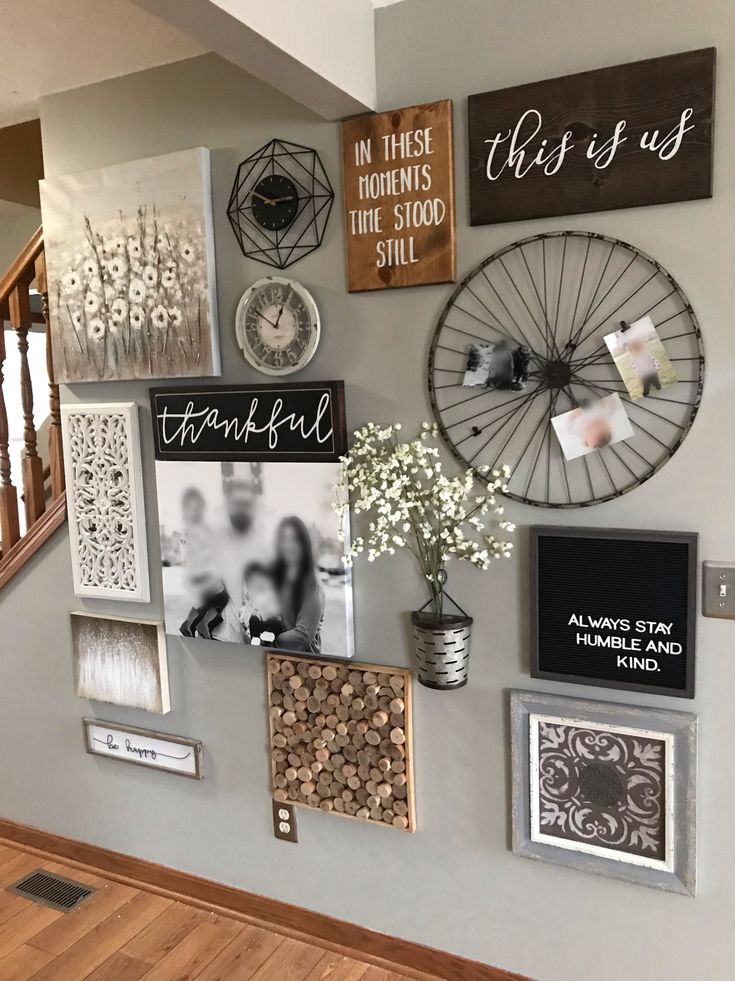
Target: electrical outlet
[718,589]
[284,821]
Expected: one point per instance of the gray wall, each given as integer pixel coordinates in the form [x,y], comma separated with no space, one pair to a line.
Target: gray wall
[454,884]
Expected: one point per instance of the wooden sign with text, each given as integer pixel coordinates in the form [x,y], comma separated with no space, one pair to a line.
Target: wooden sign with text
[622,137]
[281,422]
[143,747]
[398,174]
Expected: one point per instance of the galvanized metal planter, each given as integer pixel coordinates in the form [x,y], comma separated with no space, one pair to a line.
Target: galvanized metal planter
[442,649]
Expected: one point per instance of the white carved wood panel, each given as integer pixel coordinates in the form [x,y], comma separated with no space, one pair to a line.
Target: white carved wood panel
[104,489]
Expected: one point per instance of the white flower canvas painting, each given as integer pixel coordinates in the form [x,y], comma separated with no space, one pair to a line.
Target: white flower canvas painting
[130,262]
[120,661]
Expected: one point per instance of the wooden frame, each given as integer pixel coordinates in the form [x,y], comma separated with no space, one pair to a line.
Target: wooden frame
[194,745]
[336,449]
[690,539]
[678,730]
[347,672]
[138,558]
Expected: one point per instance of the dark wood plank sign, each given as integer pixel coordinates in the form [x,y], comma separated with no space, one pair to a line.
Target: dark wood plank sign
[398,174]
[614,608]
[621,137]
[278,422]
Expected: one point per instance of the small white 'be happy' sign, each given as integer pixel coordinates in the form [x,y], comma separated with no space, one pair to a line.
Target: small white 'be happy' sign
[174,754]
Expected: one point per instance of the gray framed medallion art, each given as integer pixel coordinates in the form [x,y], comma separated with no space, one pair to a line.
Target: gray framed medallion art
[130,255]
[605,788]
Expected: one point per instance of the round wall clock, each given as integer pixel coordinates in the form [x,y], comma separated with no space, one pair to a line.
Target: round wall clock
[280,203]
[521,342]
[277,325]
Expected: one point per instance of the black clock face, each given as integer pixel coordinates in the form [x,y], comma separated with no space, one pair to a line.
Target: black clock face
[275,202]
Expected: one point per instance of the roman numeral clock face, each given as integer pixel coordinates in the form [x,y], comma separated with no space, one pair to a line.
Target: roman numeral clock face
[277,326]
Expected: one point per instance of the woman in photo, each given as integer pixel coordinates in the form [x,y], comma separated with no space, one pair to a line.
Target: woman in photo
[300,592]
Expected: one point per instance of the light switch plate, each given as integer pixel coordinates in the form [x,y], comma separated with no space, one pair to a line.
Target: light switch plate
[718,589]
[284,821]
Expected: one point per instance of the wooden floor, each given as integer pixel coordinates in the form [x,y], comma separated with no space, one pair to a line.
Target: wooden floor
[125,934]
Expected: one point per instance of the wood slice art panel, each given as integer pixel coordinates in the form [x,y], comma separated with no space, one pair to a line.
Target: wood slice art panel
[341,738]
[398,173]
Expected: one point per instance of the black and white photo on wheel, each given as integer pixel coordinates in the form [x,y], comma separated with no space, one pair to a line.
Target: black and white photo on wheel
[250,554]
[499,366]
[585,429]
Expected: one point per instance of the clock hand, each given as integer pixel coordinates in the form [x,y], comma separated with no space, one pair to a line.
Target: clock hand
[262,197]
[278,318]
[263,317]
[282,200]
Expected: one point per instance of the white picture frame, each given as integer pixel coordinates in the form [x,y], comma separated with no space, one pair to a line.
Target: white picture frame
[105,501]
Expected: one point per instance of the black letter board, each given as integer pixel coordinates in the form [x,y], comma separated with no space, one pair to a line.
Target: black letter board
[614,608]
[283,423]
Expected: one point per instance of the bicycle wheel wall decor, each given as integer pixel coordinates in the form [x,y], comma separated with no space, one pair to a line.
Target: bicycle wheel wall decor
[557,295]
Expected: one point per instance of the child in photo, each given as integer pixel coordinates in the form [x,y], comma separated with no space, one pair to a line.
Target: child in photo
[197,545]
[496,366]
[260,611]
[641,358]
[583,430]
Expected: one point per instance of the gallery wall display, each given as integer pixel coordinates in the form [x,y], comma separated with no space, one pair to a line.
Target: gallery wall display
[398,174]
[251,546]
[521,370]
[621,137]
[104,493]
[605,788]
[277,325]
[120,661]
[340,738]
[615,608]
[286,423]
[280,203]
[130,262]
[143,747]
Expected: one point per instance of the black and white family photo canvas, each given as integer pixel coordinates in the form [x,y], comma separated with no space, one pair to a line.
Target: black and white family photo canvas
[641,358]
[498,366]
[130,262]
[591,427]
[251,555]
[120,661]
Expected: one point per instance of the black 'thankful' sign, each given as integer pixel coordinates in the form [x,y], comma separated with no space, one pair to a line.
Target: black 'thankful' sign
[614,608]
[619,137]
[279,422]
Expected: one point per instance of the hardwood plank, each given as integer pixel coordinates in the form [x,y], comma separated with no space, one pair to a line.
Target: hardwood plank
[6,853]
[22,927]
[241,959]
[63,934]
[337,967]
[380,974]
[291,961]
[197,950]
[17,867]
[11,904]
[119,967]
[166,932]
[23,963]
[105,939]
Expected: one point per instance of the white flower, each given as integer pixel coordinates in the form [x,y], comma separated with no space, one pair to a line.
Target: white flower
[115,245]
[136,291]
[176,316]
[160,316]
[118,310]
[134,249]
[91,302]
[117,267]
[72,282]
[168,278]
[187,252]
[96,329]
[89,268]
[150,275]
[77,319]
[137,317]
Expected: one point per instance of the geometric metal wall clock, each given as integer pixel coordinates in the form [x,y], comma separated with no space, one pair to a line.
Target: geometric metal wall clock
[554,297]
[280,203]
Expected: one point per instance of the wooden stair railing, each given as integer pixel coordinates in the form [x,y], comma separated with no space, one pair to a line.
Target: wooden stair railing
[44,510]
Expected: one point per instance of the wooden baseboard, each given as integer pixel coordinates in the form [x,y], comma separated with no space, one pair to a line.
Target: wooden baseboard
[348,938]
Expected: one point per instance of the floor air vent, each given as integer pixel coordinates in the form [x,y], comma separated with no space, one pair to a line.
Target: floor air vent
[52,890]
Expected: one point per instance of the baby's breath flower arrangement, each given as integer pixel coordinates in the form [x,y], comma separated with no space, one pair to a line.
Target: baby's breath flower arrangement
[410,503]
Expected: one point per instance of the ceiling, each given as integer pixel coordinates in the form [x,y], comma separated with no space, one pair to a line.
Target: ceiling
[62,44]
